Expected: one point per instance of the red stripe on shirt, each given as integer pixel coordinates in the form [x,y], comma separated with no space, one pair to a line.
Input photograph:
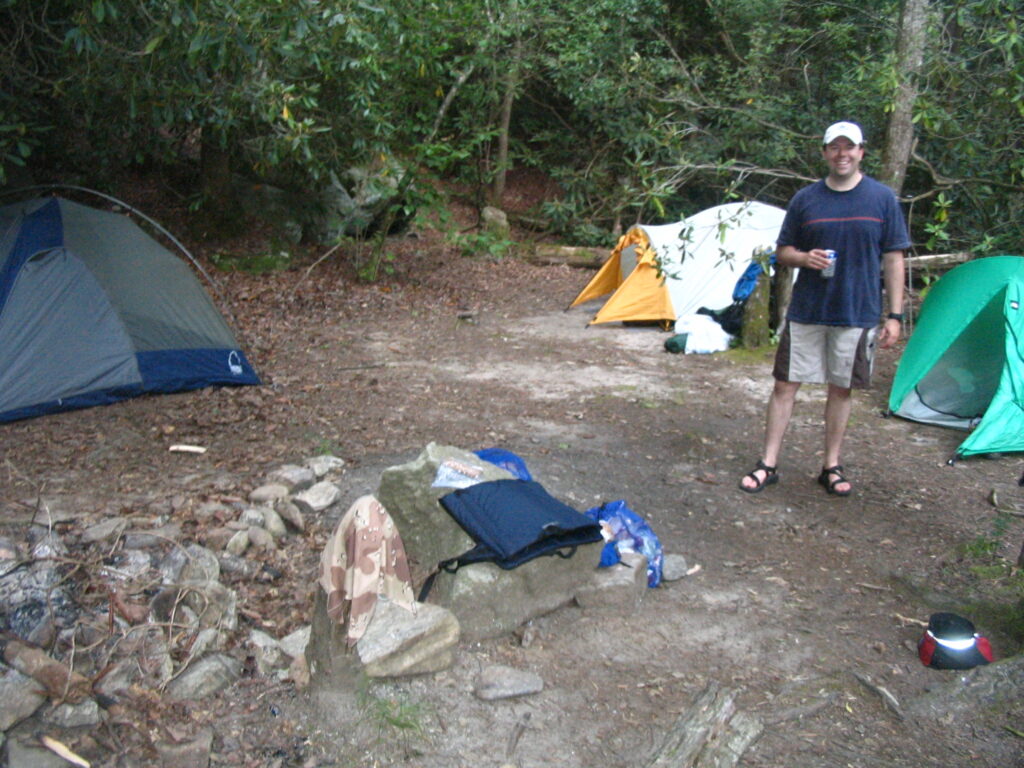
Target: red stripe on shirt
[846,218]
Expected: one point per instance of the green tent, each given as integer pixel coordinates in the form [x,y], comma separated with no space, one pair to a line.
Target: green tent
[964,365]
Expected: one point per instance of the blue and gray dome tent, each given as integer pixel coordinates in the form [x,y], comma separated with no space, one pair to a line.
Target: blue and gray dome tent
[93,310]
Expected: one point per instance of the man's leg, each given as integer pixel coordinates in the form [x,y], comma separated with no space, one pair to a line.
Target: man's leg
[837,415]
[780,409]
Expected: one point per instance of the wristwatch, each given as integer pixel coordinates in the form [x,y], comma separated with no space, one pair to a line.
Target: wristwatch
[895,316]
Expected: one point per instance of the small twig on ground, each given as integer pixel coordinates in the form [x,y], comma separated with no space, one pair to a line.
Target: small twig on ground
[888,699]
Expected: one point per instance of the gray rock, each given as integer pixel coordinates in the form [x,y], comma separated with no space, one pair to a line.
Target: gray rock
[500,682]
[234,565]
[293,477]
[621,586]
[237,544]
[260,538]
[267,652]
[495,221]
[205,677]
[86,712]
[386,646]
[208,510]
[961,694]
[142,658]
[399,643]
[295,643]
[155,537]
[127,565]
[253,516]
[429,534]
[191,753]
[104,530]
[189,563]
[273,524]
[487,600]
[21,697]
[317,498]
[27,752]
[213,604]
[291,515]
[324,465]
[674,567]
[268,494]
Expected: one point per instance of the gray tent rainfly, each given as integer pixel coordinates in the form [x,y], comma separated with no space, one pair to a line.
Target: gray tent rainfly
[93,310]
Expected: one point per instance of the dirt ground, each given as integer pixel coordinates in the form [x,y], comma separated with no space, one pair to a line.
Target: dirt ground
[796,591]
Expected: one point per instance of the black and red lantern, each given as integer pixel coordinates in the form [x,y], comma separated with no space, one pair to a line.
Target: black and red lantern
[950,642]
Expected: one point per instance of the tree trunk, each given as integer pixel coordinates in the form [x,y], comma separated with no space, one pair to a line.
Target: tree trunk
[221,212]
[505,122]
[899,136]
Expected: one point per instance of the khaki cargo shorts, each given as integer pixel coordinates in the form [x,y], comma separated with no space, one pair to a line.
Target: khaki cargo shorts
[819,354]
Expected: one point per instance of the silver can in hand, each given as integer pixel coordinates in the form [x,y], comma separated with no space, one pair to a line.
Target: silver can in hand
[831,268]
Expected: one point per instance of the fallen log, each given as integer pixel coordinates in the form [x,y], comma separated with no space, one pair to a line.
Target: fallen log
[710,734]
[571,256]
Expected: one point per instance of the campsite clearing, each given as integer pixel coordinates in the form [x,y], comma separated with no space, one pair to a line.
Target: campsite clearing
[799,597]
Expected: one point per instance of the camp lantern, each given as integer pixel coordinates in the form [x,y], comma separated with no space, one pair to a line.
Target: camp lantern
[950,642]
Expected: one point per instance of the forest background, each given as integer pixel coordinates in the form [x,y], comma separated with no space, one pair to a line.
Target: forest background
[641,110]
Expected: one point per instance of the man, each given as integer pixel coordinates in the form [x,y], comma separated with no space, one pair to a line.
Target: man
[831,326]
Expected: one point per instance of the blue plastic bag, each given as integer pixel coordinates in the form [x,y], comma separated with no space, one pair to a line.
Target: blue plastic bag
[506,460]
[630,534]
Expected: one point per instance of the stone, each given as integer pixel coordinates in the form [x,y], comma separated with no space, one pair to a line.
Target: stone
[260,538]
[238,543]
[399,642]
[291,515]
[317,498]
[293,477]
[27,752]
[487,600]
[273,524]
[190,753]
[189,563]
[153,538]
[128,564]
[205,677]
[210,510]
[213,604]
[294,644]
[253,516]
[104,530]
[267,652]
[674,567]
[21,696]
[84,713]
[142,658]
[235,565]
[268,494]
[495,222]
[395,643]
[502,682]
[324,465]
[620,586]
[987,688]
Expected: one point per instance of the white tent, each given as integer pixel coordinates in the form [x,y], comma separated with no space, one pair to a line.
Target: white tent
[662,273]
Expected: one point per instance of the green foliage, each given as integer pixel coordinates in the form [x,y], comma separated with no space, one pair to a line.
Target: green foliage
[641,109]
[257,264]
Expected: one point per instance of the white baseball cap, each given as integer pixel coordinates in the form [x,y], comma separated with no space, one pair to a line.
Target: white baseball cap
[849,130]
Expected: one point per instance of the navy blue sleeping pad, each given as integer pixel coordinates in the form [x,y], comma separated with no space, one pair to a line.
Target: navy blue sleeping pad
[512,522]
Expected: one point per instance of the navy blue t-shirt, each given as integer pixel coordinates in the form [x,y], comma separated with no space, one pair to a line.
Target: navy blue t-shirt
[859,225]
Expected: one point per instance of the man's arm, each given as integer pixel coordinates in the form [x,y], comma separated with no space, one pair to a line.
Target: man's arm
[789,256]
[892,275]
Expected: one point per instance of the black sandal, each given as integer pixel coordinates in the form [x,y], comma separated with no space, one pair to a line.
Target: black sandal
[830,485]
[770,478]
